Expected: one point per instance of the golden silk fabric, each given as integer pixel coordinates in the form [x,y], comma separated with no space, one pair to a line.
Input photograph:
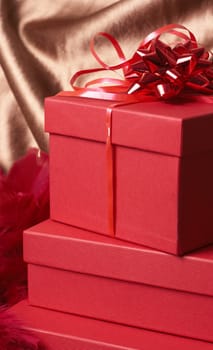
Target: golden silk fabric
[43,43]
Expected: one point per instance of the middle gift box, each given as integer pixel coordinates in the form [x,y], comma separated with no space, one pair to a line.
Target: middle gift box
[79,272]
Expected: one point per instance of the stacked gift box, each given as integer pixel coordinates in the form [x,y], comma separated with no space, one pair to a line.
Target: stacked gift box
[148,284]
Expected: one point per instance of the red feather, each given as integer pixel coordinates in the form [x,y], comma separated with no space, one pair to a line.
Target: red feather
[24,201]
[13,336]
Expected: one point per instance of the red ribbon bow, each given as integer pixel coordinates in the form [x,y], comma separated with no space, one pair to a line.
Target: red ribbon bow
[156,69]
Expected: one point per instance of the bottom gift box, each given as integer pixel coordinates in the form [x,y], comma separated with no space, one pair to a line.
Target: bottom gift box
[79,272]
[61,331]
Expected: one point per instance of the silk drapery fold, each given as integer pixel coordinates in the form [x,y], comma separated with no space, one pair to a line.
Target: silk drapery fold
[43,43]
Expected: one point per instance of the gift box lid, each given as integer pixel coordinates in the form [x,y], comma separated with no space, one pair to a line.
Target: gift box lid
[178,128]
[85,333]
[65,247]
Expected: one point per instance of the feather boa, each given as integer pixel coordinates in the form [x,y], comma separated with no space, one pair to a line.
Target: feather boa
[13,336]
[24,201]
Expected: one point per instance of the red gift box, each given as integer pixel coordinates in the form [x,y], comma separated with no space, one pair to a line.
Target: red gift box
[78,272]
[163,170]
[60,331]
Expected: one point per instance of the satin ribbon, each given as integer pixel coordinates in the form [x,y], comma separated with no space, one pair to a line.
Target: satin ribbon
[156,71]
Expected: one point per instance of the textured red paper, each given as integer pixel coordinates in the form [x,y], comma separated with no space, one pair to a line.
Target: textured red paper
[62,331]
[163,167]
[96,276]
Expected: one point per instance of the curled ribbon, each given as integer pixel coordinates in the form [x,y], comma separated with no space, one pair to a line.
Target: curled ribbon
[155,71]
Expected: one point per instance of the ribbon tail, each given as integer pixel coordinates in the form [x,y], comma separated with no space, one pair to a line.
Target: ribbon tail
[110,172]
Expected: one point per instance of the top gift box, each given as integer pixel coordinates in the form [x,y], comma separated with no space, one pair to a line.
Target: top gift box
[138,171]
[163,170]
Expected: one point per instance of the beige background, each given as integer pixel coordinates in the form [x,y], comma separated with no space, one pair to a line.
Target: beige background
[44,42]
